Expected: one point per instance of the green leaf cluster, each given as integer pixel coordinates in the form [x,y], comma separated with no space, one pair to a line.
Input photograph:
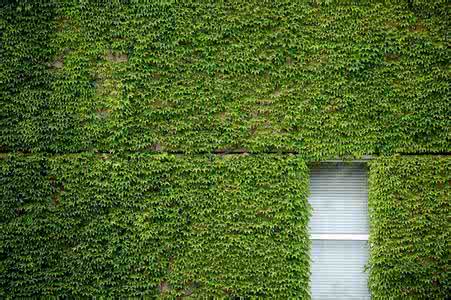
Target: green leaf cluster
[409,208]
[154,225]
[322,78]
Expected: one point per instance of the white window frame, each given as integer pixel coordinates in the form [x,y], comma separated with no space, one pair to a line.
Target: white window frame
[342,236]
[339,236]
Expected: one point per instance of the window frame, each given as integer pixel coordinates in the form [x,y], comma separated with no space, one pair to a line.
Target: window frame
[343,236]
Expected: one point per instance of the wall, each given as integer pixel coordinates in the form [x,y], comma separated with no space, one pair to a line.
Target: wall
[409,210]
[115,115]
[322,78]
[88,225]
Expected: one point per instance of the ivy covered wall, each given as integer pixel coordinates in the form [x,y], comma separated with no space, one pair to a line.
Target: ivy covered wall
[409,209]
[323,78]
[154,225]
[113,115]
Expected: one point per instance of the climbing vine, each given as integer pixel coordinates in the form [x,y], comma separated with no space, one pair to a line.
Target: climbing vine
[409,210]
[154,225]
[321,78]
[115,115]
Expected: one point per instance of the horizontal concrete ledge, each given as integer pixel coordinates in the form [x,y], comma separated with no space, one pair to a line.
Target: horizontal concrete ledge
[309,157]
[364,158]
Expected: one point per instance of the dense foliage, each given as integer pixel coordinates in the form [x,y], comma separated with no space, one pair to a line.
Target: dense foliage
[410,233]
[155,225]
[322,78]
[110,112]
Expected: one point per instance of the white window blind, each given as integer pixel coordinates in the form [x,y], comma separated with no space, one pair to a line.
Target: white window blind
[339,231]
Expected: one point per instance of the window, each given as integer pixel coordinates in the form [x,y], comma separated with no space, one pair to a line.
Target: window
[339,230]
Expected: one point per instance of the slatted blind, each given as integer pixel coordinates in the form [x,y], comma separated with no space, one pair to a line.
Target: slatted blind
[339,229]
[339,197]
[338,270]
